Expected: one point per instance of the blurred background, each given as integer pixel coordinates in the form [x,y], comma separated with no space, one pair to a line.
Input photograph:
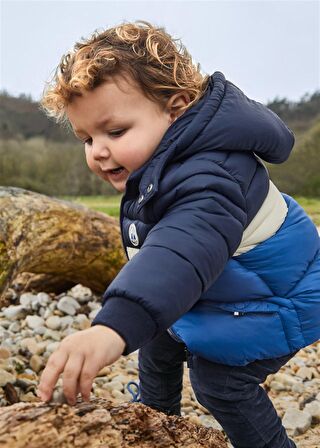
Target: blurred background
[270,49]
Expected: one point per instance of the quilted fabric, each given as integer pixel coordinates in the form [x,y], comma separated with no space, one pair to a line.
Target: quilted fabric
[263,305]
[182,218]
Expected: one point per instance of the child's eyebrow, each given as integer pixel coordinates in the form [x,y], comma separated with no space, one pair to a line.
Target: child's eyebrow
[100,123]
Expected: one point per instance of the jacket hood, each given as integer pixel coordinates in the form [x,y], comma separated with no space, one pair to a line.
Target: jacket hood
[224,118]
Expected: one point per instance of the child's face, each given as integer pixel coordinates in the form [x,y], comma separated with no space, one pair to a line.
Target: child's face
[120,126]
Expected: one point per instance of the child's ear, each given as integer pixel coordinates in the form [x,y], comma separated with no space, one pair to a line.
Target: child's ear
[176,105]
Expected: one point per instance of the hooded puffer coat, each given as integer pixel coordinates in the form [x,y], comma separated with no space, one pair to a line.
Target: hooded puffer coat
[182,219]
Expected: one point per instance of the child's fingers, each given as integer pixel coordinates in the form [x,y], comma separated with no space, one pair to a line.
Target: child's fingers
[71,373]
[50,374]
[88,373]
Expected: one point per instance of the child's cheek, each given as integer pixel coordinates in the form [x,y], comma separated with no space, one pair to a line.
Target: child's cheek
[93,166]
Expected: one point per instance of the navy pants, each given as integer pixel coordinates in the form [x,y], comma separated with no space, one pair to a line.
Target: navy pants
[230,393]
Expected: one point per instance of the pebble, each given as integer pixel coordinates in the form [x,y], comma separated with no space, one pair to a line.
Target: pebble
[313,409]
[81,293]
[4,353]
[26,300]
[32,330]
[33,346]
[6,377]
[68,305]
[53,322]
[14,327]
[209,422]
[113,385]
[14,312]
[34,322]
[36,363]
[81,322]
[296,422]
[305,373]
[58,396]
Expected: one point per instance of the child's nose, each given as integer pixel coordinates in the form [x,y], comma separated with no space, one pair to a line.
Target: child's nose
[100,150]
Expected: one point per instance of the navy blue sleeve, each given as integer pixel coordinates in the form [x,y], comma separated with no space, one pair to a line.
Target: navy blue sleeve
[181,257]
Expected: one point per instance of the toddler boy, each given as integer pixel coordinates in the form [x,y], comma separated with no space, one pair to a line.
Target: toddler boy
[223,267]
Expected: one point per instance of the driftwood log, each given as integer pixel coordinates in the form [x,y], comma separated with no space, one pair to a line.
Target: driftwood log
[64,243]
[100,424]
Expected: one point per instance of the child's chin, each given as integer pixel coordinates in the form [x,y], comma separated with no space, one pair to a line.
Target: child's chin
[120,187]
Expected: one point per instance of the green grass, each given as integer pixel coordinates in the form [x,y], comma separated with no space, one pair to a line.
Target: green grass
[111,204]
[311,206]
[105,204]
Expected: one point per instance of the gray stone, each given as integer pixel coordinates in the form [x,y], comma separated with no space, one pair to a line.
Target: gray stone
[34,321]
[113,385]
[286,379]
[26,300]
[118,395]
[94,306]
[5,323]
[277,386]
[53,305]
[209,422]
[42,312]
[65,321]
[52,347]
[14,312]
[68,331]
[14,327]
[93,314]
[43,298]
[58,396]
[81,322]
[81,293]
[68,305]
[296,421]
[4,334]
[313,409]
[298,388]
[47,314]
[40,330]
[52,334]
[53,322]
[32,345]
[121,378]
[305,373]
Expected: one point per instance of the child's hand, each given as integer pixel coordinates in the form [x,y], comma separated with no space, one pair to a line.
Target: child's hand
[80,356]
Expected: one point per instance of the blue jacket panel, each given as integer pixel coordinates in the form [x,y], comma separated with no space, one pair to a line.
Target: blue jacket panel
[186,209]
[264,304]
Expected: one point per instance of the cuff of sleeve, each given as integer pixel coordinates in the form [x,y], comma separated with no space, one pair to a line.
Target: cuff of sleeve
[129,320]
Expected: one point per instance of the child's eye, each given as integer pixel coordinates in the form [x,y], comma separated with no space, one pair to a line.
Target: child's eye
[88,141]
[116,132]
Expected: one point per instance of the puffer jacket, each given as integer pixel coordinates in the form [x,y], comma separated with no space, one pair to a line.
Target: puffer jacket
[183,216]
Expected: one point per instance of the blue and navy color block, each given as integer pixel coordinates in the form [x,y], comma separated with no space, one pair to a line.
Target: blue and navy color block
[187,208]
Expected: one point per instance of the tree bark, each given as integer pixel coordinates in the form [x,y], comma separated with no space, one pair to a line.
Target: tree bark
[64,243]
[99,424]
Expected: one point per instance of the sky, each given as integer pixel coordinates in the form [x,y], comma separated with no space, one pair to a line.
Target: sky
[267,48]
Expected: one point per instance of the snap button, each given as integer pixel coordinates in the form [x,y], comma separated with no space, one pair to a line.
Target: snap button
[150,186]
[141,198]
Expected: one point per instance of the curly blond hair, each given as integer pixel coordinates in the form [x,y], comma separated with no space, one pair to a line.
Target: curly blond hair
[159,64]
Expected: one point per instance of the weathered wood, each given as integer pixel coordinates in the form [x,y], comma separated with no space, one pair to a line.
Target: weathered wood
[64,242]
[100,424]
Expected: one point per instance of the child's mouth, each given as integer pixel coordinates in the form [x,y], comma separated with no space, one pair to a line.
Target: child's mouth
[117,170]
[118,174]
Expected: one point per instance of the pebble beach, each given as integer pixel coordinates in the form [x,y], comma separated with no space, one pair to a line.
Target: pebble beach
[32,327]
